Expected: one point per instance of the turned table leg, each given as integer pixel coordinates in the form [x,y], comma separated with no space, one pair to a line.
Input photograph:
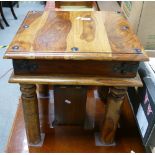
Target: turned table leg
[31,115]
[43,90]
[103,92]
[114,101]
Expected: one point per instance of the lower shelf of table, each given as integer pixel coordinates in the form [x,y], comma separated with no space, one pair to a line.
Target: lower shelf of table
[76,138]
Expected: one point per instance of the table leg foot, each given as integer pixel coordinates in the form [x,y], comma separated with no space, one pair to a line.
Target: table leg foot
[40,143]
[113,108]
[99,142]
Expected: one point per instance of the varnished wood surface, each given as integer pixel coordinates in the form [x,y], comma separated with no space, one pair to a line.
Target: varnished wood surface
[88,4]
[70,105]
[87,35]
[43,89]
[115,99]
[74,138]
[78,68]
[61,31]
[31,114]
[76,80]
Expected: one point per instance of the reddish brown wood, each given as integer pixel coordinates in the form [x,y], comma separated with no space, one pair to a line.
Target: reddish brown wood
[31,115]
[112,115]
[58,4]
[70,105]
[98,68]
[74,38]
[101,36]
[43,89]
[103,92]
[103,45]
[76,139]
[76,80]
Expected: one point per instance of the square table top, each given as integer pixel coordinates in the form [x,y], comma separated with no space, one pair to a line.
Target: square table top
[76,35]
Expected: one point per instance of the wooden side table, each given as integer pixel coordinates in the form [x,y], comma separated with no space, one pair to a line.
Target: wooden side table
[75,48]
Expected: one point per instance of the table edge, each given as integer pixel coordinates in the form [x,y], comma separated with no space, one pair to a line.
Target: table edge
[74,80]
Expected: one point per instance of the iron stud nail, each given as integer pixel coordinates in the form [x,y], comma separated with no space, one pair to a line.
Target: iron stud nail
[15,47]
[74,49]
[26,26]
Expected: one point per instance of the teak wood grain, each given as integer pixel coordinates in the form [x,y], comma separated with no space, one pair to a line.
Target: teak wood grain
[69,102]
[73,138]
[31,114]
[76,35]
[76,48]
[115,99]
[85,68]
[58,4]
[74,80]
